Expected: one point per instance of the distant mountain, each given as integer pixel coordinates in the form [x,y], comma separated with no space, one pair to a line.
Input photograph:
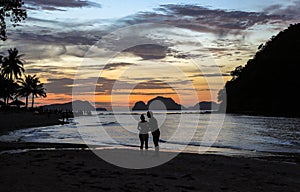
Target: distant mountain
[140,105]
[269,82]
[205,105]
[168,103]
[158,103]
[101,109]
[79,105]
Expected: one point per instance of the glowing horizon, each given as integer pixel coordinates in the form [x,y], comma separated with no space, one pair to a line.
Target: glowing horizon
[57,40]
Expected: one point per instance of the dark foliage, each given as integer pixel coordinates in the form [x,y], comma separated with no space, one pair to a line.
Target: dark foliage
[12,85]
[269,82]
[13,10]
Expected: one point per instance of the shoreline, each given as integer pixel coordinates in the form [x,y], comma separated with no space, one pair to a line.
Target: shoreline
[78,170]
[20,147]
[12,121]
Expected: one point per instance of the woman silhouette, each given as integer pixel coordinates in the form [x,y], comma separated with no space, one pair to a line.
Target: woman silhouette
[153,126]
[143,127]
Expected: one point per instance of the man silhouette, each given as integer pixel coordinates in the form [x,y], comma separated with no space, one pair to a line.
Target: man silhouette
[143,127]
[154,129]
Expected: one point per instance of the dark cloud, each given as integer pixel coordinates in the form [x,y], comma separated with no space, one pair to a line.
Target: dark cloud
[271,8]
[46,37]
[143,93]
[105,86]
[156,51]
[205,90]
[60,86]
[202,19]
[75,37]
[37,70]
[77,50]
[213,66]
[59,5]
[212,75]
[223,44]
[184,55]
[152,84]
[114,66]
[218,49]
[220,18]
[50,38]
[290,12]
[231,47]
[141,78]
[39,45]
[97,85]
[45,70]
[57,98]
[148,51]
[39,20]
[83,86]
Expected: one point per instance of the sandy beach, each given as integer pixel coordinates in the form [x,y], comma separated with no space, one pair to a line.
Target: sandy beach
[44,167]
[11,121]
[82,170]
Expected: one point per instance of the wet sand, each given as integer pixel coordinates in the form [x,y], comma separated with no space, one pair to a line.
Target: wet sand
[81,170]
[10,121]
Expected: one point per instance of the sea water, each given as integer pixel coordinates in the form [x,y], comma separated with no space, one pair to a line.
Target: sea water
[180,131]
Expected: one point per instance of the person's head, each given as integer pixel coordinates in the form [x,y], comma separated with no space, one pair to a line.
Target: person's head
[142,117]
[149,114]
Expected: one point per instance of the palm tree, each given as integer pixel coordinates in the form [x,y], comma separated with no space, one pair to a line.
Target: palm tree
[11,69]
[38,90]
[8,88]
[12,65]
[25,87]
[31,85]
[3,88]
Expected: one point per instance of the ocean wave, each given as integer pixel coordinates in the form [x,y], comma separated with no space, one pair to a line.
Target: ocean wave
[110,123]
[200,144]
[158,112]
[296,143]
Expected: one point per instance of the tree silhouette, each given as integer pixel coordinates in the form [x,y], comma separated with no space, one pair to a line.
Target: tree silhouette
[13,10]
[26,87]
[12,65]
[4,84]
[237,72]
[11,85]
[36,88]
[31,85]
[269,82]
[8,88]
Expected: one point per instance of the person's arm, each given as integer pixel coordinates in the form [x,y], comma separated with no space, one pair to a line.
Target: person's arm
[156,124]
[147,127]
[139,127]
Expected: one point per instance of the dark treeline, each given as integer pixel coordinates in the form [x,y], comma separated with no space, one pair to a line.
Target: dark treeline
[15,84]
[269,83]
[13,11]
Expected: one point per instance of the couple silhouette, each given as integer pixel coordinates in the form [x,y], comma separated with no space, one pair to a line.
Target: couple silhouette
[145,127]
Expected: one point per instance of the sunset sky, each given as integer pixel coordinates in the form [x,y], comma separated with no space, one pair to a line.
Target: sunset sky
[137,50]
